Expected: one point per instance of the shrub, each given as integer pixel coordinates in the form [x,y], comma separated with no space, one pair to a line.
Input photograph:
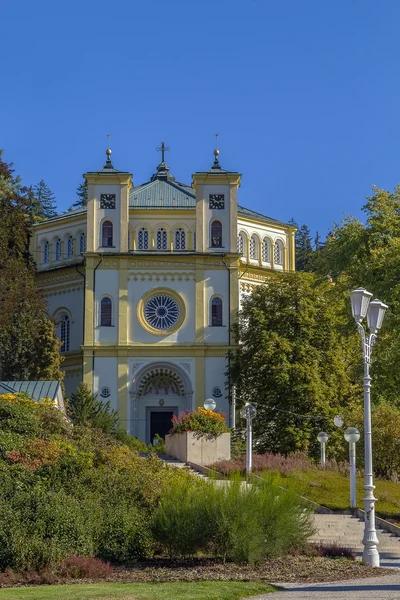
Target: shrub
[83,567]
[124,534]
[37,529]
[129,440]
[85,409]
[181,527]
[238,522]
[201,420]
[19,415]
[334,551]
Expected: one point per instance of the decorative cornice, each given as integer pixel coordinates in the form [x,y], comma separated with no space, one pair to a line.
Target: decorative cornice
[65,289]
[152,276]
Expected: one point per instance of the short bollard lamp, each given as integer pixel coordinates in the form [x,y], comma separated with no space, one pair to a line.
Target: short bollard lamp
[352,435]
[248,412]
[322,438]
[210,404]
[362,307]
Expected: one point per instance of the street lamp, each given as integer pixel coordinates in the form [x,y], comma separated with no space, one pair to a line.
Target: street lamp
[248,412]
[322,438]
[210,404]
[374,311]
[352,435]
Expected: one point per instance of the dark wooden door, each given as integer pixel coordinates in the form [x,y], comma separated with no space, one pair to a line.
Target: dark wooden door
[160,422]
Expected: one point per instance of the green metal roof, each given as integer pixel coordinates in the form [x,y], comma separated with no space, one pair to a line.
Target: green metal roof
[162,194]
[36,390]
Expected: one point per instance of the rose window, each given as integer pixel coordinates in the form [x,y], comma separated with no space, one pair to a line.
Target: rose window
[161,312]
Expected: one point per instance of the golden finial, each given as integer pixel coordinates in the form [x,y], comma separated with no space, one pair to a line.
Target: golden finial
[216,151]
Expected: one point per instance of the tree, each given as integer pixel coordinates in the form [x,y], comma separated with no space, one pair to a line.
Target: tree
[304,248]
[82,193]
[296,361]
[29,348]
[46,200]
[85,409]
[368,255]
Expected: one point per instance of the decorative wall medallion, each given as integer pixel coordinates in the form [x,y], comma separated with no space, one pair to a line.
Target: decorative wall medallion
[105,392]
[216,392]
[136,366]
[186,366]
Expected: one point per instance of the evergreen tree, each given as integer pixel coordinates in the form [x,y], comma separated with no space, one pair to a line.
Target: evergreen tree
[82,193]
[28,343]
[85,409]
[45,199]
[295,361]
[304,249]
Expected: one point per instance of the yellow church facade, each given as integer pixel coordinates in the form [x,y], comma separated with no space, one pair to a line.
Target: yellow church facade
[145,282]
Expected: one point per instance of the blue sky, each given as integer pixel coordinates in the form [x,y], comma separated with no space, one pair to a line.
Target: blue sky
[305,95]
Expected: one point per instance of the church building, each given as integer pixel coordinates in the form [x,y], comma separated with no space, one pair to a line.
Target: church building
[144,284]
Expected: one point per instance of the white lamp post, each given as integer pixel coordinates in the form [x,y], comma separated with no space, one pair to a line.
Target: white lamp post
[210,404]
[374,311]
[352,435]
[248,412]
[322,438]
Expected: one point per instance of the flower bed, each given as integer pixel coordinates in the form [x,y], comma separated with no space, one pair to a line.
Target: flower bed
[204,422]
[199,436]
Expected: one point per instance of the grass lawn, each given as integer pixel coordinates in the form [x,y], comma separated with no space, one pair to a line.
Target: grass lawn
[200,590]
[332,489]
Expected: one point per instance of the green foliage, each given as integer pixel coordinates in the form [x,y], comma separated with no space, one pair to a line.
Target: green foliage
[82,193]
[386,438]
[29,348]
[368,255]
[124,535]
[296,359]
[84,409]
[46,201]
[242,523]
[304,248]
[73,490]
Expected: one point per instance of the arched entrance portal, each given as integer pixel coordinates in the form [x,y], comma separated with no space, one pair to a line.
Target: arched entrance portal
[158,391]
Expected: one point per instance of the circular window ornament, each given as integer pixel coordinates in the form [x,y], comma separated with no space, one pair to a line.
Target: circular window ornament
[105,392]
[216,392]
[161,311]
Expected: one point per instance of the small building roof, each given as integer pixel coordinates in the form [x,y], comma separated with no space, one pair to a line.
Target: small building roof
[36,390]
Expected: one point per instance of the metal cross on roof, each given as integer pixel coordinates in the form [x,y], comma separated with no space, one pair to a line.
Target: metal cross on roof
[163,149]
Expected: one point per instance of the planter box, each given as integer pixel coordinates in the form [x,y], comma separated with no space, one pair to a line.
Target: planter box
[198,449]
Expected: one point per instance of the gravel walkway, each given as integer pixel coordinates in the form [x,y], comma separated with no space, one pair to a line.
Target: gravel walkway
[376,588]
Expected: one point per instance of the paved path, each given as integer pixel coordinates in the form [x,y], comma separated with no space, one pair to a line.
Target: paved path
[375,588]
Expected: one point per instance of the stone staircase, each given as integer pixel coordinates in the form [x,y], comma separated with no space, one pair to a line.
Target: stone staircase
[348,531]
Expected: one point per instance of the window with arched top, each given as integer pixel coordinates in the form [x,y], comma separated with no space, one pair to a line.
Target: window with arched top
[58,249]
[240,243]
[216,234]
[143,239]
[266,250]
[82,243]
[46,253]
[253,247]
[216,312]
[278,253]
[107,234]
[70,247]
[63,328]
[106,312]
[161,239]
[180,239]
